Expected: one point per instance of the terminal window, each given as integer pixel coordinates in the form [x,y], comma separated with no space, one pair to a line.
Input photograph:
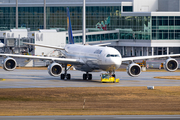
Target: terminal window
[127,9]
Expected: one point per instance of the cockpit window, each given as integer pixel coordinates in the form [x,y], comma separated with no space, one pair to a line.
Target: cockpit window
[112,55]
[108,55]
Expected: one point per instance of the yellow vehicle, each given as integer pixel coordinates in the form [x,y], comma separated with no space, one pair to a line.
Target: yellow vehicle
[106,78]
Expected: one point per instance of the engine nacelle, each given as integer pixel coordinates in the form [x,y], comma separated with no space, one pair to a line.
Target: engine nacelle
[134,70]
[9,64]
[55,69]
[171,65]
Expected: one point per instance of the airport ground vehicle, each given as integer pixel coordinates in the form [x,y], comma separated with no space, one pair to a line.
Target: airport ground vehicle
[105,77]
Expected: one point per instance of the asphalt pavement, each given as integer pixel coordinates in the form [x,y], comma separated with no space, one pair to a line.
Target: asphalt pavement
[41,79]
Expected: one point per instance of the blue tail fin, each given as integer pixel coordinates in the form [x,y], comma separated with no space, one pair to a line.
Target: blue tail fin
[70,36]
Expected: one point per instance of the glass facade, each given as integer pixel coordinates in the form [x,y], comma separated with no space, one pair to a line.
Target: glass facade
[127,9]
[57,17]
[31,17]
[135,28]
[95,37]
[7,18]
[28,17]
[166,28]
[102,18]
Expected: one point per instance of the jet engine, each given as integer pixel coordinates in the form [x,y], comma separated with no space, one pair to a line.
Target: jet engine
[171,65]
[55,69]
[134,70]
[9,64]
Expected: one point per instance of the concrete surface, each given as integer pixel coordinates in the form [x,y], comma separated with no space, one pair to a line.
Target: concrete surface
[41,79]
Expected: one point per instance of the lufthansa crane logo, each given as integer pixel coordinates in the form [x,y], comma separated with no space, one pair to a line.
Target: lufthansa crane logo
[98,51]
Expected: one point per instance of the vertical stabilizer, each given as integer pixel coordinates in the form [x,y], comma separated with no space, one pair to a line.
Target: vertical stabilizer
[70,36]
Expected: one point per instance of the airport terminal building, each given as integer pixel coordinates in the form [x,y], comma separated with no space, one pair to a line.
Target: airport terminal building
[134,27]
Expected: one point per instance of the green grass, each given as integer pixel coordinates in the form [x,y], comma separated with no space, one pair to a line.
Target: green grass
[99,101]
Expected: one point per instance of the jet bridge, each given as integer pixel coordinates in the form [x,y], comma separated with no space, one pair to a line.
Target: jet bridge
[11,39]
[46,37]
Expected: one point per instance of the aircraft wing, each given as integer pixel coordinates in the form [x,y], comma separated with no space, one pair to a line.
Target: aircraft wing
[60,60]
[148,57]
[47,46]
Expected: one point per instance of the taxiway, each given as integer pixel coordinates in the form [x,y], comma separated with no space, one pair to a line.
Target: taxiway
[41,79]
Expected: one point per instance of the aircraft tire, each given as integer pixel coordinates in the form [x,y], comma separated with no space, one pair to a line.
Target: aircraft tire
[68,76]
[90,77]
[62,76]
[84,77]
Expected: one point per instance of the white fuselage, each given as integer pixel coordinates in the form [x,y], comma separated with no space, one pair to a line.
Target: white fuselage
[94,57]
[1,44]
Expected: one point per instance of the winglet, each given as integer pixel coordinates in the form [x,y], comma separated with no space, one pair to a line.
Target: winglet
[70,36]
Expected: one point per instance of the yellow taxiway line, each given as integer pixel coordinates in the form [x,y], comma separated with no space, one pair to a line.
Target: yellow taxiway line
[1,79]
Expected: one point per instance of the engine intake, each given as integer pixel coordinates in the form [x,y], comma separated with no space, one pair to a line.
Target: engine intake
[171,65]
[134,70]
[9,64]
[55,69]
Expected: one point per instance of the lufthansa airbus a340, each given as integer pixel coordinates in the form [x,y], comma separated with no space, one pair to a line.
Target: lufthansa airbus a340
[88,58]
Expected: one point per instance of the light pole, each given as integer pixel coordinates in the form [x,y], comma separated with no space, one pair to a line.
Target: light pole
[44,14]
[16,14]
[84,22]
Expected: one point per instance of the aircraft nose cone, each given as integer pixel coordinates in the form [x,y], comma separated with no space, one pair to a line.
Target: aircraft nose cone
[116,62]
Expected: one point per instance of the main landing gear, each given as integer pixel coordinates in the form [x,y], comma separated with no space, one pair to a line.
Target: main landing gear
[65,75]
[87,76]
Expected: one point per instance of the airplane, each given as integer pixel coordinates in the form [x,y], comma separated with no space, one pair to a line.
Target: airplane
[87,58]
[1,44]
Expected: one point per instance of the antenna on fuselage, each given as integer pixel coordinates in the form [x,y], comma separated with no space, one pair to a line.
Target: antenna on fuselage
[84,22]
